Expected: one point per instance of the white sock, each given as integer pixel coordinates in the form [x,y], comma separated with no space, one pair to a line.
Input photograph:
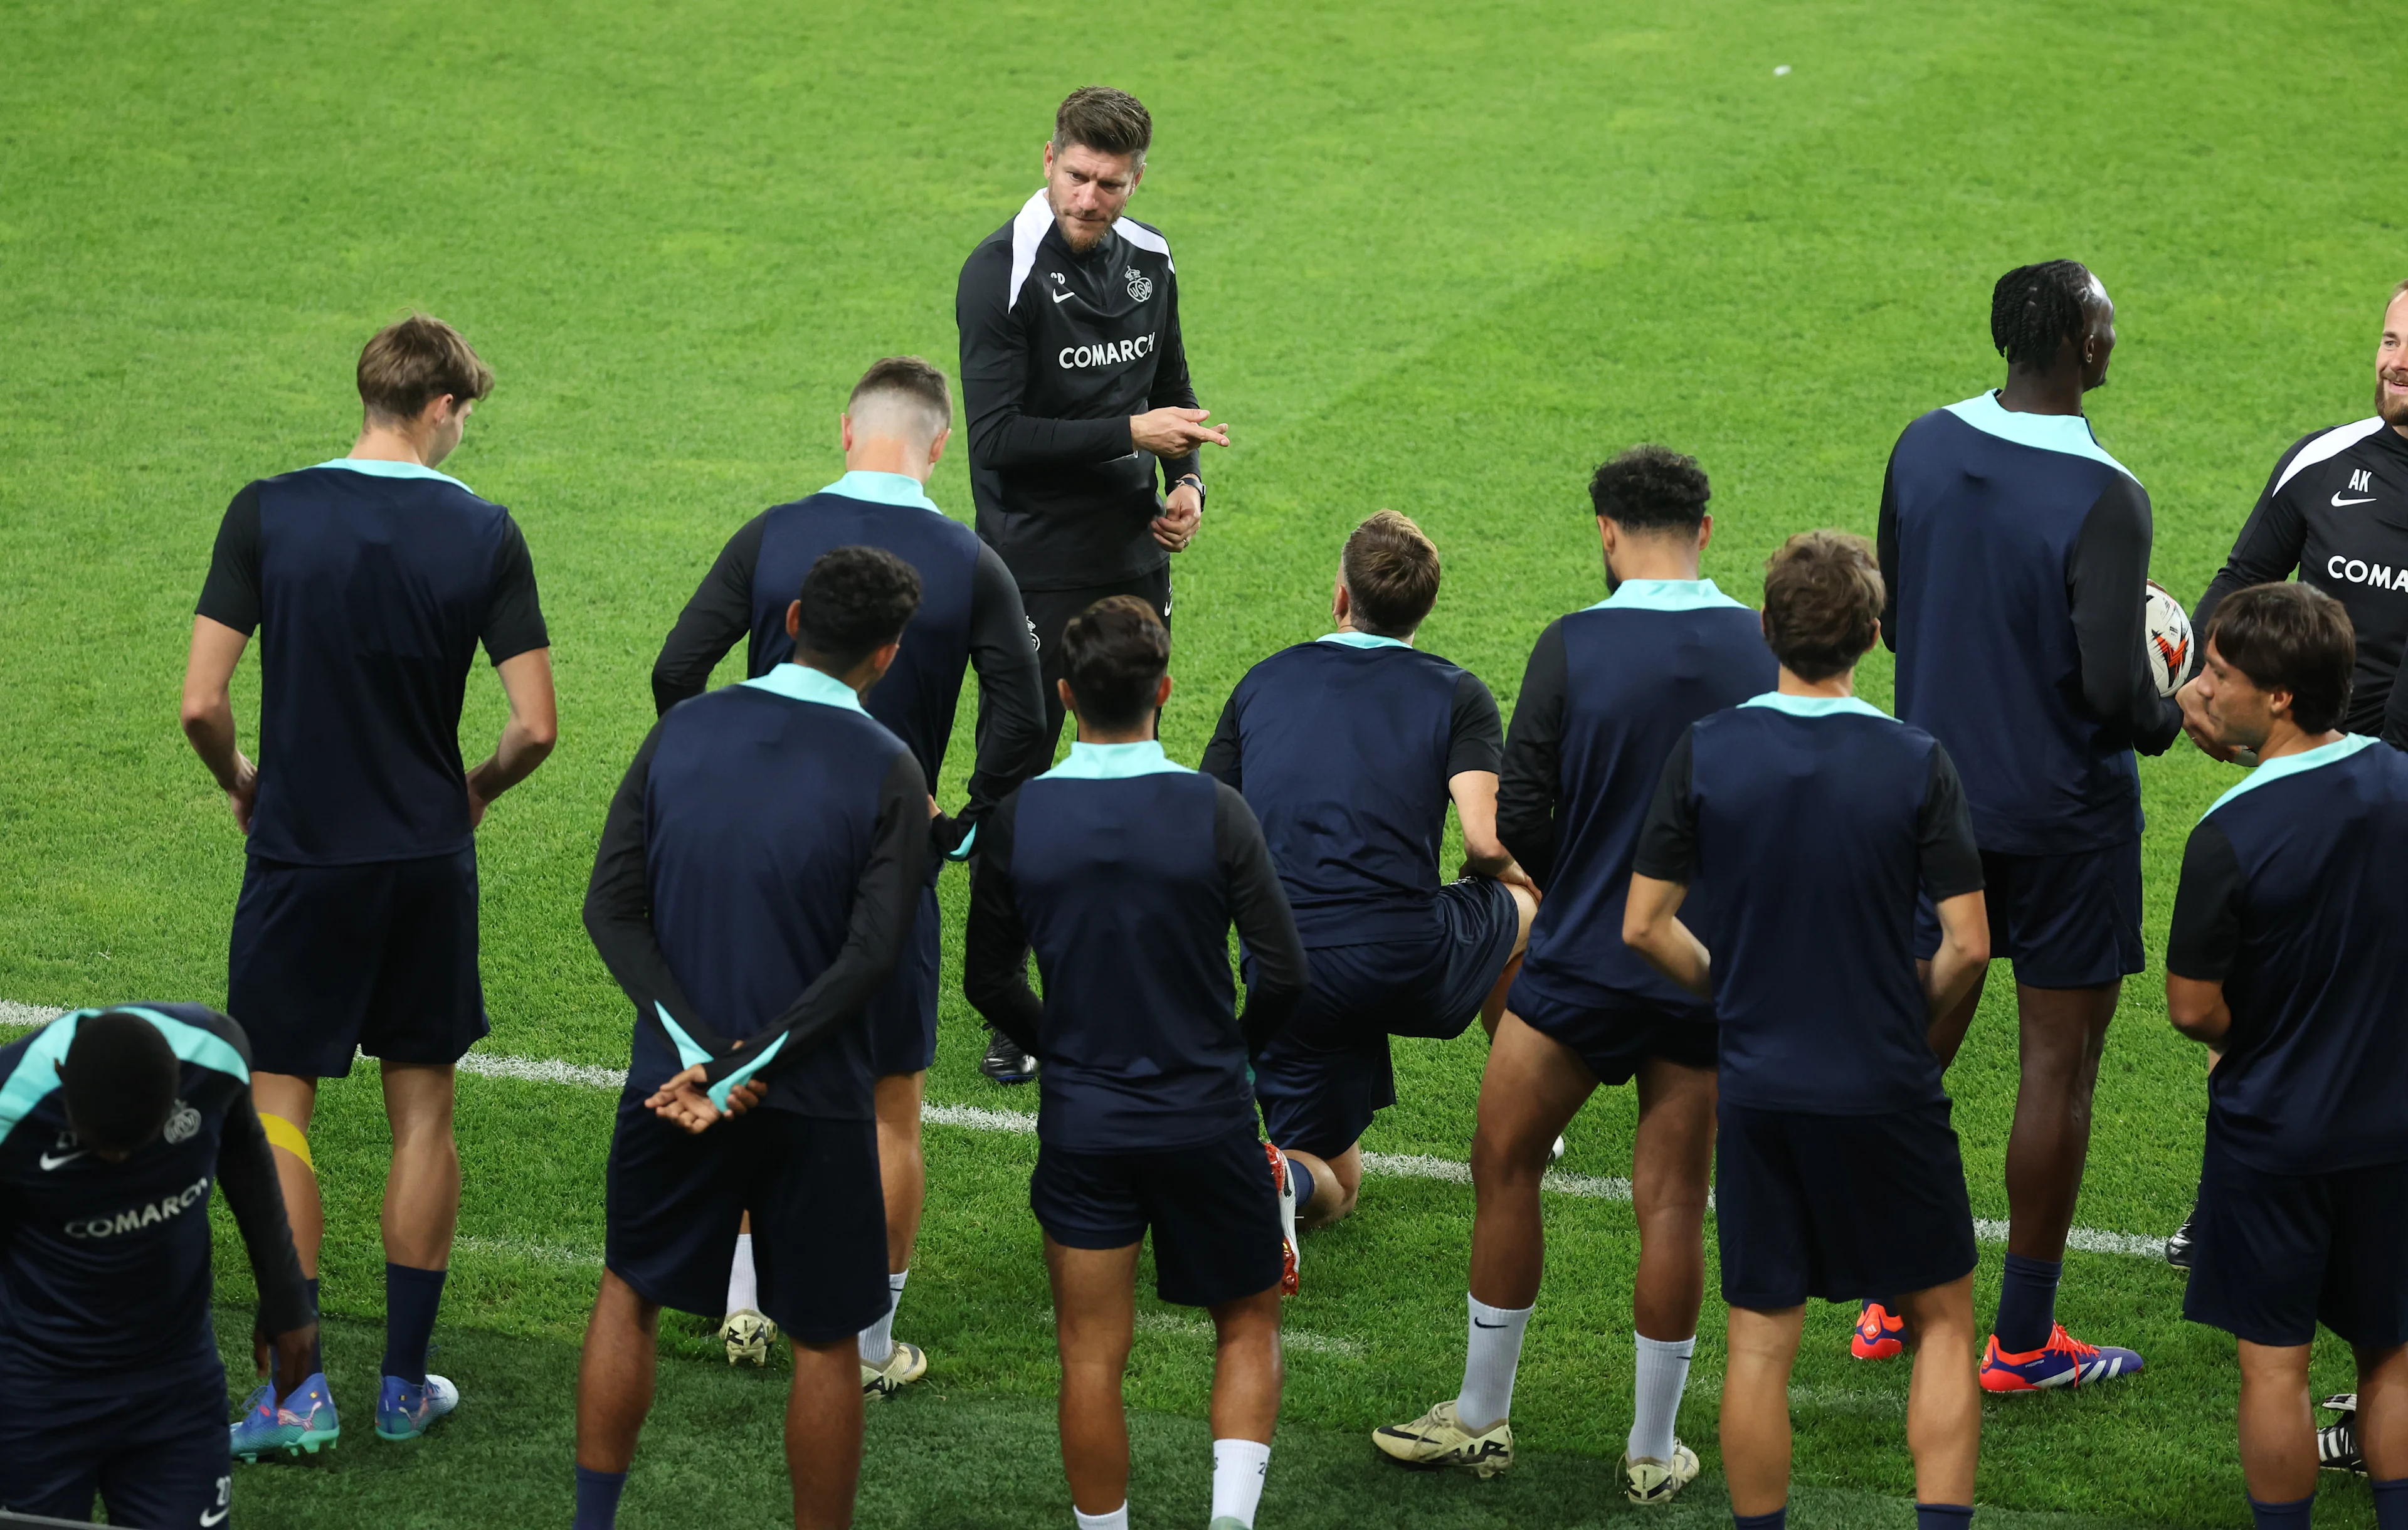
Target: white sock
[1489,1361]
[1663,1371]
[1117,1520]
[743,1292]
[878,1339]
[1239,1466]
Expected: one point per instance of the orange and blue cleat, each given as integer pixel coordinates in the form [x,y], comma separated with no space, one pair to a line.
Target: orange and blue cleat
[2062,1362]
[1881,1333]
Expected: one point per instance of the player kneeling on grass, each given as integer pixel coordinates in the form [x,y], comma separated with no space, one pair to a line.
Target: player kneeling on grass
[113,1126]
[1348,749]
[1816,818]
[1125,872]
[2285,950]
[1607,693]
[755,886]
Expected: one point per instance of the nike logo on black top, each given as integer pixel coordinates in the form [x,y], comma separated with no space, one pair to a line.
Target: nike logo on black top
[2337,500]
[48,1162]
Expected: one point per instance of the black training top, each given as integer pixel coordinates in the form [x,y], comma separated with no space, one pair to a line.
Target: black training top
[1058,350]
[2335,510]
[371,585]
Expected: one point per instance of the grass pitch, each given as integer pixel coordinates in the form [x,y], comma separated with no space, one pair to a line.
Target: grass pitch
[1442,258]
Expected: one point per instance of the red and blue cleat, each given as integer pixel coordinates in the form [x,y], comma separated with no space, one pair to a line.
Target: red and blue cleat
[1881,1333]
[2062,1362]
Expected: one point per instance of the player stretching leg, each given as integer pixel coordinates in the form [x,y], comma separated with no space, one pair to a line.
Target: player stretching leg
[1347,750]
[1817,818]
[370,580]
[2017,554]
[1125,872]
[1607,693]
[2285,941]
[756,887]
[114,1125]
[895,427]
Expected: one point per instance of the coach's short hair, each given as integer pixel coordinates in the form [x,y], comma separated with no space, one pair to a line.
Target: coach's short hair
[2290,637]
[409,364]
[1113,654]
[905,393]
[1822,603]
[1107,120]
[1651,487]
[855,600]
[119,1081]
[1391,572]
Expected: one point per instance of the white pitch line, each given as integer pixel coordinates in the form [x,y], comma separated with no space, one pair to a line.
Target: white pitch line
[979,1118]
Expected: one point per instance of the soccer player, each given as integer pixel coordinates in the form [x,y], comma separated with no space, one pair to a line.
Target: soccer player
[114,1127]
[1347,750]
[894,429]
[1608,692]
[2284,949]
[370,580]
[1816,819]
[2016,554]
[755,889]
[1125,872]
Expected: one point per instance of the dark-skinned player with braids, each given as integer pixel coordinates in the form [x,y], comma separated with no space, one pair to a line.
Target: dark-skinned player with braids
[2015,554]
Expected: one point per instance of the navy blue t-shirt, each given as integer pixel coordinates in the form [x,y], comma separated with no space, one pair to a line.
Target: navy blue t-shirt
[2290,897]
[1344,748]
[1608,692]
[371,585]
[1819,818]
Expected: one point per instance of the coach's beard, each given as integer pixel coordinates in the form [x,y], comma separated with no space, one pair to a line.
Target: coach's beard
[2394,412]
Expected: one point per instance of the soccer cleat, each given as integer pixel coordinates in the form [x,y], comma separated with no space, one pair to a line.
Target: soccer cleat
[269,1428]
[2337,1443]
[1005,1062]
[407,1408]
[2062,1362]
[1438,1438]
[1286,1188]
[1881,1333]
[2178,1243]
[1654,1481]
[906,1365]
[749,1336]
[1556,1153]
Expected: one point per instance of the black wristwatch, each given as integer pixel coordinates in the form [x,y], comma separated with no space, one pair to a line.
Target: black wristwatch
[1201,493]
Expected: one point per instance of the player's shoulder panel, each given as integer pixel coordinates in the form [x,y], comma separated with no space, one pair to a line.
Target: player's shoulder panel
[1145,239]
[2334,444]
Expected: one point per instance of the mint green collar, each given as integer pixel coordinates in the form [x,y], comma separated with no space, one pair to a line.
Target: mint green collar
[1666,595]
[2067,433]
[37,1072]
[1113,762]
[2291,765]
[882,489]
[1362,639]
[801,682]
[1816,706]
[377,467]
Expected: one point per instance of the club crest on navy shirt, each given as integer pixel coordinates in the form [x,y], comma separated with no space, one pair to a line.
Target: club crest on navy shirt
[1140,286]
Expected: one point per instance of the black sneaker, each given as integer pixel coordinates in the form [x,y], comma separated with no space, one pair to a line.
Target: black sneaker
[2178,1246]
[1005,1062]
[2337,1443]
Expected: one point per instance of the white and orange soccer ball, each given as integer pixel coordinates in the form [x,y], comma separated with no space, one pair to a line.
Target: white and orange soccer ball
[2173,653]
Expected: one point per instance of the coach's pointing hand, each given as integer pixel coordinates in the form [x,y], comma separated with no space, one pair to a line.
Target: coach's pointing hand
[1175,432]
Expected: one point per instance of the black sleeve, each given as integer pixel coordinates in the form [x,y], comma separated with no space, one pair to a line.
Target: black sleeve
[1952,861]
[995,376]
[1886,550]
[1667,840]
[230,594]
[514,614]
[717,618]
[619,908]
[1012,744]
[2395,714]
[1225,758]
[2205,936]
[2268,549]
[2107,578]
[994,947]
[1475,736]
[1258,907]
[1172,388]
[1526,777]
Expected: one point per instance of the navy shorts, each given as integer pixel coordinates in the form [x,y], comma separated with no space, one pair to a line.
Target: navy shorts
[903,1013]
[158,1458]
[1327,1072]
[819,1218]
[1212,1206]
[1838,1206]
[1615,1041]
[2274,1255]
[2065,921]
[379,957]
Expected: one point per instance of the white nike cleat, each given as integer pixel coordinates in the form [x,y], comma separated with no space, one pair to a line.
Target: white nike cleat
[1654,1481]
[749,1336]
[906,1365]
[1438,1438]
[1285,1184]
[1556,1153]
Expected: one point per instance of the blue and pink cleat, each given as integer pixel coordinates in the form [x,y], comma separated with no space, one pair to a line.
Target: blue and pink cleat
[2062,1362]
[304,1423]
[406,1408]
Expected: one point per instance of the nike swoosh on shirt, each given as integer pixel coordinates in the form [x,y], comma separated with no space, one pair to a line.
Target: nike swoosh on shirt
[50,1163]
[1059,296]
[213,1516]
[2338,501]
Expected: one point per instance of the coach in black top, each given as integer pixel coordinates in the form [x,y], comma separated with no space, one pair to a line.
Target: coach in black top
[2285,951]
[1074,378]
[2335,511]
[1818,820]
[754,888]
[1125,872]
[370,580]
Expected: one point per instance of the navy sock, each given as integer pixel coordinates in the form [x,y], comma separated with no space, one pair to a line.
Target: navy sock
[2391,1504]
[1301,1177]
[410,1298]
[597,1498]
[1942,1516]
[1777,1520]
[2027,1303]
[2290,1516]
[318,1346]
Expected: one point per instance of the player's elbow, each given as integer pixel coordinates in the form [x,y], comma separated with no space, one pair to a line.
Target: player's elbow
[2196,1008]
[203,709]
